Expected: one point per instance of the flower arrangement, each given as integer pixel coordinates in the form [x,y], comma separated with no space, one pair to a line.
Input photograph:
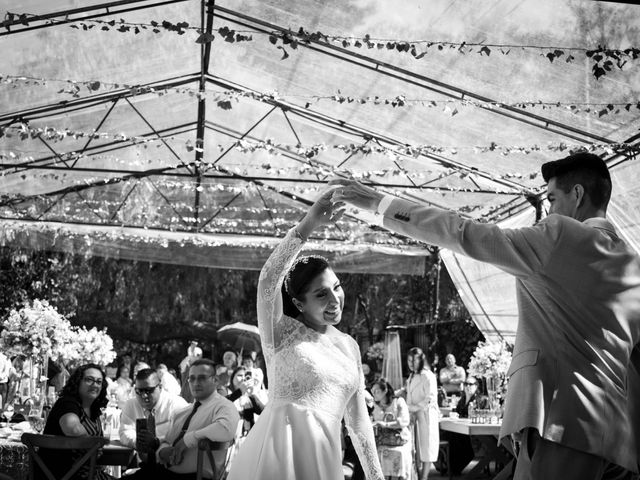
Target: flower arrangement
[38,330]
[490,359]
[93,346]
[375,351]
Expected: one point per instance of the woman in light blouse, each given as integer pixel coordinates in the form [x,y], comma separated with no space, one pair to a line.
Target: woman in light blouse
[422,399]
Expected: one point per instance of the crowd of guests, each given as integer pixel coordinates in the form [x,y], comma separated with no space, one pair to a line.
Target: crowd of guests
[406,420]
[156,418]
[164,413]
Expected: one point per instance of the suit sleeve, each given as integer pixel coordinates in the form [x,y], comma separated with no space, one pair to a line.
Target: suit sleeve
[520,252]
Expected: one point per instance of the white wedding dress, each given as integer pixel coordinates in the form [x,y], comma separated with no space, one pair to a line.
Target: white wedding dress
[314,381]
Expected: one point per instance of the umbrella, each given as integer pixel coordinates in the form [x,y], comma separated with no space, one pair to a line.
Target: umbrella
[241,336]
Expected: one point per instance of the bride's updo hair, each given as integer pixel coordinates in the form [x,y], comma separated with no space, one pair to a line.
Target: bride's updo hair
[296,282]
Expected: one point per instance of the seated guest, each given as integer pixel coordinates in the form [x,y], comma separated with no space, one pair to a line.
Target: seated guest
[193,353]
[460,448]
[76,414]
[210,416]
[154,404]
[168,382]
[452,376]
[469,395]
[391,414]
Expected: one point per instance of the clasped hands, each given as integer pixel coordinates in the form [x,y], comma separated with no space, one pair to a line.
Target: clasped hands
[331,205]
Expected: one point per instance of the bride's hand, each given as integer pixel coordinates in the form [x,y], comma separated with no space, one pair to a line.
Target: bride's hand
[322,212]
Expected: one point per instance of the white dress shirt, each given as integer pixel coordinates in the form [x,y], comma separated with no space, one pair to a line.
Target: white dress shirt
[163,411]
[216,419]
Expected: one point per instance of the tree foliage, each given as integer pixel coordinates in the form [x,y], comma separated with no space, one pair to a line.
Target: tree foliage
[153,310]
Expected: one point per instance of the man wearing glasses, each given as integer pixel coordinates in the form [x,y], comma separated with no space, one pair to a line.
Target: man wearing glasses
[153,404]
[210,416]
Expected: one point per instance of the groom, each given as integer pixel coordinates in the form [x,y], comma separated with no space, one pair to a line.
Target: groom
[570,401]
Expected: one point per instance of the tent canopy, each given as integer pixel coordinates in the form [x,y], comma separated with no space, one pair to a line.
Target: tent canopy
[199,132]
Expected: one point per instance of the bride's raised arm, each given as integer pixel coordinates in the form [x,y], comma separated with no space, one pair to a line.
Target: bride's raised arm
[269,302]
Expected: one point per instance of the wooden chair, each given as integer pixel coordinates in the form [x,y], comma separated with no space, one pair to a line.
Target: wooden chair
[444,455]
[207,447]
[89,445]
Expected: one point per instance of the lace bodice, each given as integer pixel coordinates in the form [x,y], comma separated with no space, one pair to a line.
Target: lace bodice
[310,369]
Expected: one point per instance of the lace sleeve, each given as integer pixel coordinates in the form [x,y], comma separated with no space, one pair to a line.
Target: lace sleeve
[360,430]
[269,304]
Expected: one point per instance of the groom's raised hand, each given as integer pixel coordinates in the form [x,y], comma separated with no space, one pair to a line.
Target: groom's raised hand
[356,194]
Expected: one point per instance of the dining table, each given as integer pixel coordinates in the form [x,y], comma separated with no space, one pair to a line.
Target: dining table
[14,456]
[487,434]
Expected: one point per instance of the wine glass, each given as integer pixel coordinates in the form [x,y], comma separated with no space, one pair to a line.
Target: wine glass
[35,420]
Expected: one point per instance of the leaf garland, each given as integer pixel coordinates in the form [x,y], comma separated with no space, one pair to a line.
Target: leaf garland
[308,169]
[224,99]
[604,58]
[23,132]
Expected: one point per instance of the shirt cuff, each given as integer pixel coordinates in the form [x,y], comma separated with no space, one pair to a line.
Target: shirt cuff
[383,206]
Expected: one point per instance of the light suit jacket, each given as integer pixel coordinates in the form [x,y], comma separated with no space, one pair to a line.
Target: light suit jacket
[578,287]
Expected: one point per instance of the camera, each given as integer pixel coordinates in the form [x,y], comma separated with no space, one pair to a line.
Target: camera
[247,375]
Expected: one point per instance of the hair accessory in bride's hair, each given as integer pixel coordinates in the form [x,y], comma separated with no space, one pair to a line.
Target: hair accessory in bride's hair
[301,260]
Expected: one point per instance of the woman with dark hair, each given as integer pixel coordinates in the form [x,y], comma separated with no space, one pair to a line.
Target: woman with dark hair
[315,374]
[422,399]
[391,416]
[77,414]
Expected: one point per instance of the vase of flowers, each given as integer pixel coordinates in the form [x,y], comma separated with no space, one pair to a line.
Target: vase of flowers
[39,332]
[490,361]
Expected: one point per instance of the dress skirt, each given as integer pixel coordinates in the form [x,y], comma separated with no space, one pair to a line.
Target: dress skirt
[290,442]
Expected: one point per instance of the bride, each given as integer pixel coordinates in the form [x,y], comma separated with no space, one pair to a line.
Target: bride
[314,370]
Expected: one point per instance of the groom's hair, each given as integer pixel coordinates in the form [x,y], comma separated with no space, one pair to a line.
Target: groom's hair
[584,169]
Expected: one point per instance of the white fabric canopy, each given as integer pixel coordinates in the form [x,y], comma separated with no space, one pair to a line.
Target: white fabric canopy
[200,145]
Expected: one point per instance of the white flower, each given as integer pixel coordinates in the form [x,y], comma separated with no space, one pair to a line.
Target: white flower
[490,359]
[37,329]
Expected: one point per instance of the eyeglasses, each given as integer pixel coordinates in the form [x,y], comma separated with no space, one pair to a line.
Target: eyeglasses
[146,391]
[198,379]
[470,383]
[92,381]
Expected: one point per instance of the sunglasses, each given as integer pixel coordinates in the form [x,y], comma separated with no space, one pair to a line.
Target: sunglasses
[146,391]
